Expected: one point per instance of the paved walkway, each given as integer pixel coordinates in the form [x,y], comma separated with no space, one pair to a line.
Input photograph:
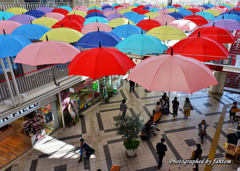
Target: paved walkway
[59,152]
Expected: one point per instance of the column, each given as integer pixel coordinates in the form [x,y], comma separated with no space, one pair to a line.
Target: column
[61,115]
[221,78]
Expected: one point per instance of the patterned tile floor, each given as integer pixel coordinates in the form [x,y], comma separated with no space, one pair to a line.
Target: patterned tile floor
[59,152]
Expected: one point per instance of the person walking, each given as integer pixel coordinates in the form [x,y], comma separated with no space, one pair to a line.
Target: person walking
[132,84]
[175,106]
[187,107]
[83,147]
[202,130]
[198,155]
[123,108]
[161,149]
[232,114]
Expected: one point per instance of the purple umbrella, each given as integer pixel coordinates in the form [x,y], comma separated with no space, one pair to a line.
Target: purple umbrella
[228,24]
[109,9]
[149,5]
[44,9]
[114,16]
[104,5]
[23,18]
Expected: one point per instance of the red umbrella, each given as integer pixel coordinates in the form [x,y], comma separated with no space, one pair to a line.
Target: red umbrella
[217,33]
[197,19]
[74,17]
[143,11]
[177,5]
[223,7]
[136,9]
[100,62]
[201,48]
[61,11]
[148,24]
[94,10]
[237,9]
[141,6]
[118,6]
[69,24]
[194,10]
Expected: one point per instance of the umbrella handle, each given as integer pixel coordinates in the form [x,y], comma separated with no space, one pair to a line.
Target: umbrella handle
[54,79]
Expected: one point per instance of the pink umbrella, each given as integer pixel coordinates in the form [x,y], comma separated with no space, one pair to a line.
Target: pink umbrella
[126,4]
[80,7]
[163,12]
[55,15]
[184,25]
[95,26]
[164,19]
[200,8]
[172,73]
[192,5]
[155,6]
[109,13]
[121,8]
[8,26]
[218,9]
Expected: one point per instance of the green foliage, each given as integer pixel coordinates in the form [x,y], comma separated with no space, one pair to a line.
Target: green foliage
[106,99]
[131,144]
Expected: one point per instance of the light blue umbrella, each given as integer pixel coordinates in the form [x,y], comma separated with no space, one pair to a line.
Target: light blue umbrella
[209,5]
[31,31]
[141,44]
[136,4]
[93,8]
[5,15]
[228,16]
[207,15]
[135,17]
[154,9]
[113,5]
[95,19]
[185,12]
[227,6]
[126,30]
[181,8]
[170,6]
[66,8]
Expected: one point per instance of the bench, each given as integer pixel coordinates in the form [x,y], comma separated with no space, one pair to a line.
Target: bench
[115,168]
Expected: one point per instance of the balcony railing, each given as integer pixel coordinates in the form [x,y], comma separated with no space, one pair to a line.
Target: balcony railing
[33,80]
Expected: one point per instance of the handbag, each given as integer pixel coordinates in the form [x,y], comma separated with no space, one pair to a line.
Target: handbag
[202,132]
[193,155]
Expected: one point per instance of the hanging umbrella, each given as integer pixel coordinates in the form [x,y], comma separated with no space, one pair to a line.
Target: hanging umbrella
[146,8]
[209,5]
[81,13]
[181,8]
[95,26]
[54,15]
[149,5]
[80,8]
[45,21]
[126,4]
[218,9]
[228,16]
[119,21]
[176,15]
[141,6]
[214,12]
[152,14]
[154,9]
[44,9]
[35,13]
[231,5]
[148,24]
[217,33]
[107,7]
[163,12]
[197,19]
[231,12]
[118,6]
[31,31]
[155,6]
[131,7]
[162,5]
[110,12]
[112,9]
[224,5]
[69,9]
[184,25]
[17,10]
[92,39]
[63,35]
[208,16]
[141,44]
[236,9]
[167,33]
[114,16]
[161,73]
[186,6]
[23,18]
[61,11]
[8,26]
[136,4]
[228,24]
[136,9]
[77,18]
[185,12]
[124,11]
[200,48]
[206,7]
[135,17]
[200,8]
[143,11]
[126,30]
[69,24]
[172,10]
[122,8]
[95,14]
[177,5]
[94,20]
[193,10]
[94,10]
[193,5]
[5,15]
[94,5]
[170,6]
[164,19]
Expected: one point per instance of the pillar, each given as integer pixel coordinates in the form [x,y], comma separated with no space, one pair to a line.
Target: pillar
[221,78]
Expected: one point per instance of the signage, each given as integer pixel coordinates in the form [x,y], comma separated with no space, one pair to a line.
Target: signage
[95,86]
[115,87]
[71,90]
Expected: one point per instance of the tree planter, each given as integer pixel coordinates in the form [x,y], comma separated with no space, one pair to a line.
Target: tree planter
[131,153]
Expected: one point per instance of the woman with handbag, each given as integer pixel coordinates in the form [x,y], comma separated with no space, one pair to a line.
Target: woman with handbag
[202,127]
[187,107]
[83,149]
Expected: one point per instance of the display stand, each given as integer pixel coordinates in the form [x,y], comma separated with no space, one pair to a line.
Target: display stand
[231,151]
[6,133]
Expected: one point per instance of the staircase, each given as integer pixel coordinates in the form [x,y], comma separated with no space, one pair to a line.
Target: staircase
[235,48]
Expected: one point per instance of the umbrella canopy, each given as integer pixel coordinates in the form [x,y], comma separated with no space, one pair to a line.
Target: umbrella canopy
[154,9]
[109,9]
[94,5]
[214,12]
[155,6]
[126,4]
[228,16]
[185,12]
[113,5]
[204,6]
[170,6]
[5,15]
[100,62]
[131,7]
[95,14]
[69,9]
[209,5]
[80,8]
[194,10]
[197,19]
[92,39]
[146,8]
[141,6]
[118,22]
[143,11]
[184,25]
[22,18]
[17,10]
[55,15]
[176,15]
[62,34]
[95,26]
[44,9]
[189,74]
[135,17]
[167,33]
[118,6]
[8,26]
[230,25]
[136,9]
[126,30]
[141,44]
[110,12]
[35,13]
[186,6]
[201,8]
[94,20]
[45,21]
[218,9]
[81,13]
[231,5]
[172,10]
[77,18]
[163,12]
[151,14]
[136,4]
[148,24]
[124,11]
[164,19]
[231,12]
[122,8]
[181,8]
[177,5]
[217,33]
[208,16]
[31,31]
[200,48]
[106,7]
[226,6]
[11,45]
[114,16]
[94,10]
[162,5]
[61,11]
[69,24]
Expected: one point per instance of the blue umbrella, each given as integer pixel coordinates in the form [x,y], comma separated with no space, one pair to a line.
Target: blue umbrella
[35,13]
[93,8]
[205,6]
[66,8]
[113,5]
[95,14]
[227,6]
[31,31]
[176,15]
[185,12]
[232,12]
[141,44]
[154,9]
[126,30]
[207,15]
[103,8]
[170,6]
[135,17]
[94,20]
[209,5]
[92,39]
[180,8]
[228,16]
[5,15]
[146,8]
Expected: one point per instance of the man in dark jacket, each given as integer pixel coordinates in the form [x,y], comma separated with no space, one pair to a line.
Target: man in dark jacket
[132,84]
[198,154]
[175,106]
[161,149]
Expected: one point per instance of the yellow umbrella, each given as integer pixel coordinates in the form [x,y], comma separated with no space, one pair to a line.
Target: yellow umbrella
[63,35]
[186,6]
[76,12]
[45,21]
[231,5]
[124,11]
[167,33]
[151,14]
[214,12]
[119,21]
[131,7]
[17,10]
[162,5]
[172,10]
[95,6]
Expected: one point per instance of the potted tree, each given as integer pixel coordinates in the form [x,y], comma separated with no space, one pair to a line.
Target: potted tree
[129,128]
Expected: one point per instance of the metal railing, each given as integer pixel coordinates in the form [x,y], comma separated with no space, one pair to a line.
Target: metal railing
[33,80]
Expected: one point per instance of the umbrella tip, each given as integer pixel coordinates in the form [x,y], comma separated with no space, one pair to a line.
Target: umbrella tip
[213,23]
[149,17]
[3,18]
[69,18]
[97,20]
[171,51]
[100,45]
[166,24]
[30,21]
[46,38]
[199,34]
[98,28]
[61,25]
[164,13]
[4,32]
[142,31]
[128,21]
